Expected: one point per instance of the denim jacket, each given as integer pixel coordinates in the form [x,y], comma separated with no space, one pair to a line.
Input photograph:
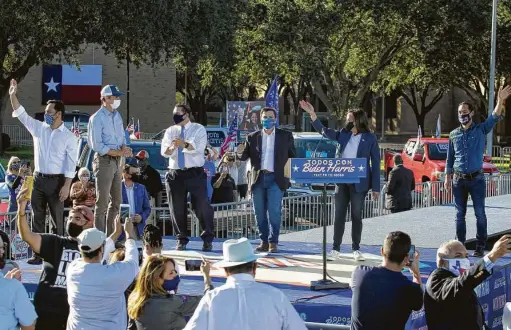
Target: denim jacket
[466,147]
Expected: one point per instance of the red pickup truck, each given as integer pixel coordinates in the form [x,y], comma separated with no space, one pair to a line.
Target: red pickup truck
[428,163]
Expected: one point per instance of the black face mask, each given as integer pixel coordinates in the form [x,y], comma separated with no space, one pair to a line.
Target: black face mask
[178,118]
[73,229]
[349,126]
[142,163]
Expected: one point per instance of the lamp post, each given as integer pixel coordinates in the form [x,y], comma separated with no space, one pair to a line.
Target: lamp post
[491,101]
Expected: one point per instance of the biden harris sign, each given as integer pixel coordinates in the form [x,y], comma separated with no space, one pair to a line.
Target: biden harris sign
[327,170]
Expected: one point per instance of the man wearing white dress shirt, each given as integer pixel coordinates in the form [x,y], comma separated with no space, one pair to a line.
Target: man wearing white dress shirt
[55,149]
[183,144]
[243,303]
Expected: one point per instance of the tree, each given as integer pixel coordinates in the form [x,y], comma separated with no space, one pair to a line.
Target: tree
[205,57]
[42,31]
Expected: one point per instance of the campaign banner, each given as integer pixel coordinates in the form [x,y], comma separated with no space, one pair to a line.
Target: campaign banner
[242,135]
[327,170]
[216,137]
[248,114]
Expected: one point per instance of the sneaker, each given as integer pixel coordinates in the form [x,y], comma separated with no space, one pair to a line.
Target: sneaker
[478,253]
[358,256]
[335,254]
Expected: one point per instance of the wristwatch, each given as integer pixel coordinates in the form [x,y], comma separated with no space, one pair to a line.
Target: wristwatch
[187,145]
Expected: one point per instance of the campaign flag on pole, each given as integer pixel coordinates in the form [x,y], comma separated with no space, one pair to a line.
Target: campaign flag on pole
[72,85]
[419,136]
[75,129]
[231,135]
[272,98]
[438,127]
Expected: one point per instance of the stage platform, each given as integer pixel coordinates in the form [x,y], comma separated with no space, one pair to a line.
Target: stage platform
[299,262]
[428,227]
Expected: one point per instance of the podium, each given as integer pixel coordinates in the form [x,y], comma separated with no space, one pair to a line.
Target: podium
[326,171]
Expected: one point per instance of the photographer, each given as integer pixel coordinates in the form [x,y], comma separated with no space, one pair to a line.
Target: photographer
[223,182]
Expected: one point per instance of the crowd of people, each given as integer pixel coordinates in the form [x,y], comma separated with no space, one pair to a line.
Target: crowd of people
[95,277]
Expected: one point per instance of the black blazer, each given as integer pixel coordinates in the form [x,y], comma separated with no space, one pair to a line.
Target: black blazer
[401,182]
[284,149]
[450,302]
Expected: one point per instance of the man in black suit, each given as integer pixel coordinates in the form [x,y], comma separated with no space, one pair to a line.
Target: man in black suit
[401,182]
[450,301]
[268,150]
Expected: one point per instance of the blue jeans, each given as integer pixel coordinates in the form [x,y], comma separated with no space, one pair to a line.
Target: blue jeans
[345,194]
[477,190]
[267,199]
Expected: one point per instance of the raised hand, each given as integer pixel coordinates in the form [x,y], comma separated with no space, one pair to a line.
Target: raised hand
[307,107]
[13,88]
[504,93]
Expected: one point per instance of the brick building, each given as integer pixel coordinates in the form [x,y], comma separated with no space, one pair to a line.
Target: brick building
[152,90]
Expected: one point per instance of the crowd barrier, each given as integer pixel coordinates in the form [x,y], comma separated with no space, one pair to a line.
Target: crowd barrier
[300,212]
[324,326]
[19,135]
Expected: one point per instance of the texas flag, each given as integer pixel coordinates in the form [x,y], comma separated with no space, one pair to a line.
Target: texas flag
[72,85]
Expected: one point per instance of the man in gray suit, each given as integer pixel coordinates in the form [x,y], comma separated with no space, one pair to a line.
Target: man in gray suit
[398,197]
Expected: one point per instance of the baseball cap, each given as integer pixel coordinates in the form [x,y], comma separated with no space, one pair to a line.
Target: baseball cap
[111,90]
[91,239]
[83,210]
[142,154]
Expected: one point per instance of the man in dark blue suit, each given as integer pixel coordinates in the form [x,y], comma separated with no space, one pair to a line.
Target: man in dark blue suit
[355,141]
[135,194]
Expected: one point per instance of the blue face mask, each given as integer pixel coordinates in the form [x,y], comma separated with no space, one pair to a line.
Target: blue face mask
[15,166]
[464,119]
[48,119]
[268,123]
[171,285]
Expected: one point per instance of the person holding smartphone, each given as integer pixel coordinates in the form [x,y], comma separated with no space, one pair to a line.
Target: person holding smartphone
[450,301]
[383,295]
[15,176]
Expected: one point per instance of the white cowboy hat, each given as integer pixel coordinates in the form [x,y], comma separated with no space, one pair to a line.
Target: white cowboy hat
[236,252]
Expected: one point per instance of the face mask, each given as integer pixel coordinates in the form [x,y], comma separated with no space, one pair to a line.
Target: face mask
[349,126]
[268,123]
[85,178]
[142,163]
[15,166]
[171,285]
[178,118]
[73,229]
[458,266]
[464,119]
[48,119]
[116,104]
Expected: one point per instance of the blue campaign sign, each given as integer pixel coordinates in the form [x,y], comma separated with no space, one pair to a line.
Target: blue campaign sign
[328,170]
[317,154]
[216,137]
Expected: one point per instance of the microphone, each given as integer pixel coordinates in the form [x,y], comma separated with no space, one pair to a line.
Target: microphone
[317,146]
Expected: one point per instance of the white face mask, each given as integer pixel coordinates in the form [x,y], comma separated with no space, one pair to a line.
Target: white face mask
[116,104]
[458,265]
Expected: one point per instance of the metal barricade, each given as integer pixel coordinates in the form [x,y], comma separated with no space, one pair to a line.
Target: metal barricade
[325,326]
[19,135]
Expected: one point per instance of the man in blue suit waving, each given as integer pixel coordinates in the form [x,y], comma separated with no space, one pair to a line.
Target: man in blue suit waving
[355,141]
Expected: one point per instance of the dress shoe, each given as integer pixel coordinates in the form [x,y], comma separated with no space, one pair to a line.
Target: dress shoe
[273,248]
[263,247]
[35,260]
[478,253]
[181,246]
[207,247]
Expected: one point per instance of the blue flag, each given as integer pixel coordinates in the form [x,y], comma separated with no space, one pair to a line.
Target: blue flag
[272,98]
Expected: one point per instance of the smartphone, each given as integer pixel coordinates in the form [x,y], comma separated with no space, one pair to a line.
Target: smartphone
[193,265]
[28,164]
[411,253]
[29,184]
[124,212]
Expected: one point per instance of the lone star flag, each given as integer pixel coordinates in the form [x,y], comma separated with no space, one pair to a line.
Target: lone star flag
[72,85]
